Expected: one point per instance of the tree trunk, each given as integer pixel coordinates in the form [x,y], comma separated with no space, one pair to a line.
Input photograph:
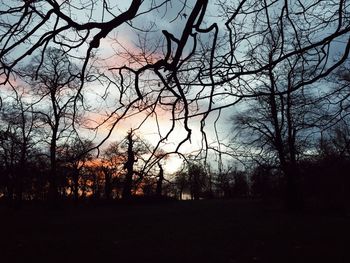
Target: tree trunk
[160,181]
[108,185]
[76,184]
[293,199]
[129,165]
[19,187]
[53,191]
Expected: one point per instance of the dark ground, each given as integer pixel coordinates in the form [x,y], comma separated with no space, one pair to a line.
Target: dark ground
[187,231]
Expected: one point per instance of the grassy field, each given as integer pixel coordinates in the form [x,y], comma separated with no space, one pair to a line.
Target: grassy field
[186,231]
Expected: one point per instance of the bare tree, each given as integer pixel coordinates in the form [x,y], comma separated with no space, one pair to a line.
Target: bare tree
[73,155]
[197,180]
[282,121]
[56,84]
[17,126]
[111,167]
[136,151]
[125,165]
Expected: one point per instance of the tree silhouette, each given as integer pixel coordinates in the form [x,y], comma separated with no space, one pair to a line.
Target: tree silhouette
[217,56]
[73,155]
[160,181]
[279,119]
[16,143]
[197,180]
[56,83]
[129,166]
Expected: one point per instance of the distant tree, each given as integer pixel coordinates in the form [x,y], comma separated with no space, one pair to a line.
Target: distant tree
[326,174]
[279,121]
[241,184]
[8,143]
[224,183]
[17,128]
[123,166]
[111,168]
[38,173]
[181,183]
[232,183]
[73,156]
[197,178]
[266,181]
[53,79]
[137,151]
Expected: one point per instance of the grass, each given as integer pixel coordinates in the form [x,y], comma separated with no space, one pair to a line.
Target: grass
[186,231]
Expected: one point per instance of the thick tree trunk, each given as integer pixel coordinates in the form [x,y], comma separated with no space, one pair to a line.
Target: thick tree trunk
[293,197]
[23,162]
[53,190]
[127,184]
[160,181]
[129,165]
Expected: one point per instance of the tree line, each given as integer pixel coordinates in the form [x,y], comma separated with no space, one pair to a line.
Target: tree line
[281,68]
